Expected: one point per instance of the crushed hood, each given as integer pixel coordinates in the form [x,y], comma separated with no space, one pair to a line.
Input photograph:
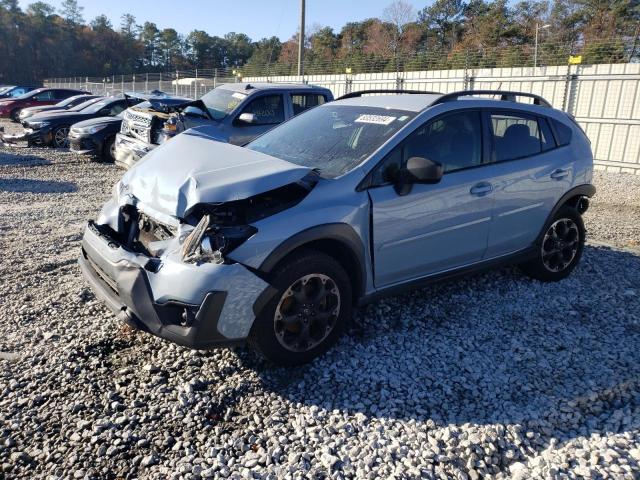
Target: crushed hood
[192,168]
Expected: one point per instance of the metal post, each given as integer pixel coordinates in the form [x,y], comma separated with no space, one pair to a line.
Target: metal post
[146,82]
[301,41]
[122,83]
[177,81]
[133,84]
[535,50]
[195,86]
[160,82]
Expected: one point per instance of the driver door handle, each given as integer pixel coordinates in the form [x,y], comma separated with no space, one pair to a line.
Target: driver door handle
[481,189]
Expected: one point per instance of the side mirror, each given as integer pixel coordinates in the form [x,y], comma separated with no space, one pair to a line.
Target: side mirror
[418,170]
[247,118]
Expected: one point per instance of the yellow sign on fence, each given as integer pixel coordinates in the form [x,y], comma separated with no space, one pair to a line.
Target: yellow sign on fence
[575,59]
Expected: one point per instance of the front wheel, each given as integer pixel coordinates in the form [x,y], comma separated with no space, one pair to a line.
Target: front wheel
[15,115]
[61,137]
[307,315]
[561,247]
[109,150]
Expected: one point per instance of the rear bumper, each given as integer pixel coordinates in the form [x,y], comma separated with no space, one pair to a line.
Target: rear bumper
[130,150]
[197,306]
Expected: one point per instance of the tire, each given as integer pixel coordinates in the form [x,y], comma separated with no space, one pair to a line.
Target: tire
[15,114]
[315,324]
[60,137]
[560,249]
[108,150]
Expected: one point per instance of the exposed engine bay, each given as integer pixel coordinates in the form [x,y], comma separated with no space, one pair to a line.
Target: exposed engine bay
[209,231]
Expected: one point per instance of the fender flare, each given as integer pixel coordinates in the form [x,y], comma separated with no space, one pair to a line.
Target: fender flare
[339,232]
[585,190]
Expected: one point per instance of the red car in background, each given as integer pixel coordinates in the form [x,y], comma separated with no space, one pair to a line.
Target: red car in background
[10,107]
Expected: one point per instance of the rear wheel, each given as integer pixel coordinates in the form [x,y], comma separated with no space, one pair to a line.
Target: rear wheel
[307,315]
[109,150]
[61,137]
[560,249]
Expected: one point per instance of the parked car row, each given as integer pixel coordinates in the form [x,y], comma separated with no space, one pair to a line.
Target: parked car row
[125,128]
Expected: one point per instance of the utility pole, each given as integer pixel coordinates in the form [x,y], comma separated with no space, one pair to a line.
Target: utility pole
[535,50]
[301,41]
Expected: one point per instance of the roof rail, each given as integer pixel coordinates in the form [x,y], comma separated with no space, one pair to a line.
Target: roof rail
[504,95]
[385,90]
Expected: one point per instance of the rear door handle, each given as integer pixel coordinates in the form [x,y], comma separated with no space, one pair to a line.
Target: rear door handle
[559,174]
[481,189]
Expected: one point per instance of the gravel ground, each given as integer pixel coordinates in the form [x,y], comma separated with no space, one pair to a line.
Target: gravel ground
[493,375]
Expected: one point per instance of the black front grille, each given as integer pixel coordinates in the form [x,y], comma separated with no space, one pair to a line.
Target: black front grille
[106,279]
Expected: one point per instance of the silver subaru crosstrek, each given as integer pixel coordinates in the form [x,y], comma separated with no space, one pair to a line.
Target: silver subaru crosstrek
[207,244]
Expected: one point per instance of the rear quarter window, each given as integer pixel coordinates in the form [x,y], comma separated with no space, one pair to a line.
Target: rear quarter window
[563,133]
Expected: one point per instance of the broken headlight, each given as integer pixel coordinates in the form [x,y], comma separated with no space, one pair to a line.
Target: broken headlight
[209,243]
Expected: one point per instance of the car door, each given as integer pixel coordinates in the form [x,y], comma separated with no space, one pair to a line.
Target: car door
[532,176]
[42,98]
[301,102]
[267,111]
[435,227]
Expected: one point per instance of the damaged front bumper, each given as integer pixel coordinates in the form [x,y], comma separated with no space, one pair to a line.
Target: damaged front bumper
[34,137]
[195,305]
[130,150]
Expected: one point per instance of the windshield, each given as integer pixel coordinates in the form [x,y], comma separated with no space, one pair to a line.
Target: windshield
[68,101]
[5,89]
[333,139]
[220,102]
[84,105]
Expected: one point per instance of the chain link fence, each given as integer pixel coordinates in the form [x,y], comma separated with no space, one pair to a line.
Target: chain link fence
[603,96]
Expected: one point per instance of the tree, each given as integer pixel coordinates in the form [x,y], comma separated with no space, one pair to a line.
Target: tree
[148,36]
[169,48]
[128,25]
[72,12]
[101,23]
[445,19]
[239,48]
[398,14]
[40,9]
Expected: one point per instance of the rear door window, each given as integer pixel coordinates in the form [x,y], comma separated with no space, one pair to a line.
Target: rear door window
[268,110]
[515,136]
[44,96]
[305,101]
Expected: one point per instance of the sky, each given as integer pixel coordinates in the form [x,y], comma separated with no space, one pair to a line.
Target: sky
[256,18]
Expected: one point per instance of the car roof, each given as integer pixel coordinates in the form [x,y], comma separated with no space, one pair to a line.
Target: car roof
[251,86]
[407,102]
[416,101]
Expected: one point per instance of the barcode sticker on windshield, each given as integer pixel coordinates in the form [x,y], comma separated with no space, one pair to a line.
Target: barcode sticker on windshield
[238,95]
[377,119]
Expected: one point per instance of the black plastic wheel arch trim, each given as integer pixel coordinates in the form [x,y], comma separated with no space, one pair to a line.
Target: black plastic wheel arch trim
[585,190]
[340,232]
